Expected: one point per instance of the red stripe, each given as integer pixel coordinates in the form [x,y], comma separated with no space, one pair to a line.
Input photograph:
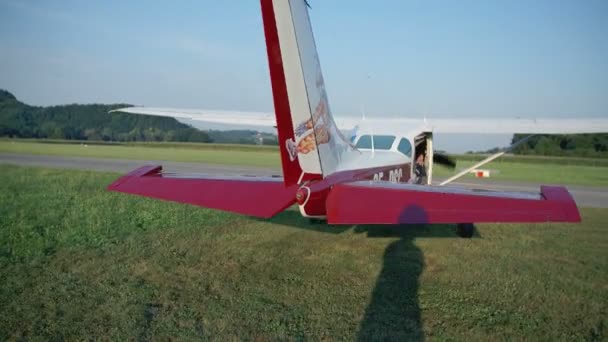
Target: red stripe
[291,169]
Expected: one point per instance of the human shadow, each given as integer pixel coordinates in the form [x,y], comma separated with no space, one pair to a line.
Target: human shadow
[393,312]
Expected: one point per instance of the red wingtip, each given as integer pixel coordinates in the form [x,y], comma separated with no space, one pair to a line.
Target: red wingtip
[559,194]
[146,170]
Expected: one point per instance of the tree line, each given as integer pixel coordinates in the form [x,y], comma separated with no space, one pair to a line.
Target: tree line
[93,122]
[580,145]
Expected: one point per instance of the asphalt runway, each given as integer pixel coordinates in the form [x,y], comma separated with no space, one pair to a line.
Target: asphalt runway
[126,165]
[585,196]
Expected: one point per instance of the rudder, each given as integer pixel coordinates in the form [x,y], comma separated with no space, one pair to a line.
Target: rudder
[310,142]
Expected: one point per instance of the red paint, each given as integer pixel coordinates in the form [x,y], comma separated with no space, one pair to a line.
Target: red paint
[302,195]
[291,169]
[354,203]
[358,174]
[244,195]
[560,194]
[370,204]
[315,205]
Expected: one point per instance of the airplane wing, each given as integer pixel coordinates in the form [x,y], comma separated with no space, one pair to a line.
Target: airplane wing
[398,203]
[379,124]
[248,195]
[492,125]
[212,116]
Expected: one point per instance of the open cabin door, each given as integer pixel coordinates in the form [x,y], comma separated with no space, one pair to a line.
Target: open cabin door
[424,144]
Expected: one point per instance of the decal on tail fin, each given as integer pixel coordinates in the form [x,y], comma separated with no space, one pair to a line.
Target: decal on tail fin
[313,141]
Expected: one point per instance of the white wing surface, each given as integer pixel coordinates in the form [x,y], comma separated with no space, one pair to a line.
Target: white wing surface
[212,116]
[532,126]
[394,125]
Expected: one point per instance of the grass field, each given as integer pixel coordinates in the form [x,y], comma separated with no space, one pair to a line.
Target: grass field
[78,262]
[203,153]
[537,173]
[552,170]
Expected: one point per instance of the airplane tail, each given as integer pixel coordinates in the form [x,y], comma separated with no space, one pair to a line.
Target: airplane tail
[311,144]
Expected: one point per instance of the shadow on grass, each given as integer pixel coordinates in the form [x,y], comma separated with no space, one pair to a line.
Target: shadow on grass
[393,312]
[293,218]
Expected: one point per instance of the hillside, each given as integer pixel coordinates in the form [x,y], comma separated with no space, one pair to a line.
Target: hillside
[88,122]
[93,122]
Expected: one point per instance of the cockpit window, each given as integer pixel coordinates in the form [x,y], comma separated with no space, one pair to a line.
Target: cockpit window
[381,142]
[405,147]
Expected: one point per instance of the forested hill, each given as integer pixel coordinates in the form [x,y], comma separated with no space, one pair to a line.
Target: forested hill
[89,122]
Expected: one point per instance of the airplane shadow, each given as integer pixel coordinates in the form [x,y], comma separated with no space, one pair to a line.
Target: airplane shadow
[293,218]
[393,312]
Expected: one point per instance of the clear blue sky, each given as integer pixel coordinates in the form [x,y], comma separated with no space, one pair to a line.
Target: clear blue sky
[398,58]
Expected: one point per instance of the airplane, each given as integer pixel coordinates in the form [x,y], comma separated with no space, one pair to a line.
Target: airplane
[365,177]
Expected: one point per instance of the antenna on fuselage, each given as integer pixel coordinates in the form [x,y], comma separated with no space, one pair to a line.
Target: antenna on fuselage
[372,138]
[368,78]
[371,128]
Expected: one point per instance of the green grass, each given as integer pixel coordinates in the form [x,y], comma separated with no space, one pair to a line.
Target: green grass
[162,144]
[203,153]
[552,170]
[78,262]
[535,173]
[537,159]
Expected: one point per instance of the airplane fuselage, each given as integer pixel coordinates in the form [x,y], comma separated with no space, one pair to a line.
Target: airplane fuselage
[385,157]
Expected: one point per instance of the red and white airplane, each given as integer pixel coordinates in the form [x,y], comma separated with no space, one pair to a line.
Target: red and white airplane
[362,179]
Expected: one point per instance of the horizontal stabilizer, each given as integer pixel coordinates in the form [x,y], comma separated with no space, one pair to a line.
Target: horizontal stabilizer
[254,196]
[367,202]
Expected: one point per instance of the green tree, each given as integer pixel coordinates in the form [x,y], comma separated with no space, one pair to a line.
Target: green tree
[94,122]
[584,145]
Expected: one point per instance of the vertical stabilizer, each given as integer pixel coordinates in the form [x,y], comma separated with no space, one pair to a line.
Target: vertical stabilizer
[310,142]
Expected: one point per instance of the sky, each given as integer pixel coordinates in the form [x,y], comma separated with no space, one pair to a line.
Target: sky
[543,58]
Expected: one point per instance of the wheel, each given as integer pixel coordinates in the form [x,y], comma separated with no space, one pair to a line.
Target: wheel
[314,220]
[465,230]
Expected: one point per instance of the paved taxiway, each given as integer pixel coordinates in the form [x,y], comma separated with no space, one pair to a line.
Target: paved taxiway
[585,196]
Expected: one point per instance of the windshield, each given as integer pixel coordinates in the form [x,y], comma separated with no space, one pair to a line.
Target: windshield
[381,142]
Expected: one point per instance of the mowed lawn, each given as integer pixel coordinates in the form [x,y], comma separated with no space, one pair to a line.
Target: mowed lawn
[535,171]
[78,262]
[539,173]
[202,153]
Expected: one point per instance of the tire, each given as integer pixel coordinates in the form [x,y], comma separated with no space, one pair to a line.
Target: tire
[465,230]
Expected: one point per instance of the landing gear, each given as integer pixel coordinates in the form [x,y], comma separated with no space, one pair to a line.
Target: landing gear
[465,230]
